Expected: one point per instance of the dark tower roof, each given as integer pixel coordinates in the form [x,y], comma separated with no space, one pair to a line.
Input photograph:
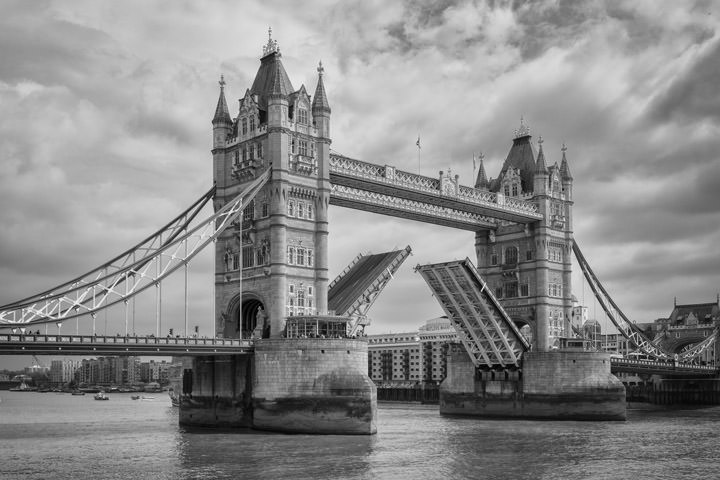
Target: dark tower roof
[482,181]
[222,113]
[541,167]
[564,169]
[522,156]
[320,101]
[271,78]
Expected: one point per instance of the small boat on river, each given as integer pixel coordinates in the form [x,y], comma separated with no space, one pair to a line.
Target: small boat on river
[101,396]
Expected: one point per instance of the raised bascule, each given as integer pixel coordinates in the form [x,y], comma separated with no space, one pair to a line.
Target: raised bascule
[289,354]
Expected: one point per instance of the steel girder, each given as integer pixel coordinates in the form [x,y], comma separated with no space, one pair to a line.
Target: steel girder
[488,334]
[142,267]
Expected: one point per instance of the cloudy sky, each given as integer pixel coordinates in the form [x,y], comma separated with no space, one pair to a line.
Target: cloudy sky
[105,129]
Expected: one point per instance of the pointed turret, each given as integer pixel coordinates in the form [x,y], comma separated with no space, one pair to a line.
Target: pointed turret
[221,122]
[320,101]
[540,166]
[320,106]
[564,168]
[481,181]
[540,178]
[222,113]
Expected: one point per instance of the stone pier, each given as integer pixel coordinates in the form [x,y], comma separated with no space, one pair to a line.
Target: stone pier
[313,385]
[563,385]
[294,385]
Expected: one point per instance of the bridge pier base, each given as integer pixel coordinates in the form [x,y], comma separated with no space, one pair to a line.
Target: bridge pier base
[312,385]
[563,385]
[216,392]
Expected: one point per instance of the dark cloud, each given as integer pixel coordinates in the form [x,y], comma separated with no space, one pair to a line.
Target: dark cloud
[692,96]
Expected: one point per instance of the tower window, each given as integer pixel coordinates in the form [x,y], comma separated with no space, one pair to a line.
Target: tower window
[303,148]
[291,255]
[302,116]
[515,190]
[244,126]
[511,255]
[507,190]
[301,210]
[247,256]
[259,150]
[265,209]
[300,256]
[310,262]
[291,208]
[252,123]
[309,212]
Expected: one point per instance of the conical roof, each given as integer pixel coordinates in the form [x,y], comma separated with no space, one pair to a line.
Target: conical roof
[521,156]
[271,79]
[541,167]
[222,113]
[564,168]
[482,181]
[320,101]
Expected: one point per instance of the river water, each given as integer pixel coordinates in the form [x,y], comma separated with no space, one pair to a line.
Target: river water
[60,436]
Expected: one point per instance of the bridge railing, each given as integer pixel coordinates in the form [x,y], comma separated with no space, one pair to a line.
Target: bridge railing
[658,364]
[124,340]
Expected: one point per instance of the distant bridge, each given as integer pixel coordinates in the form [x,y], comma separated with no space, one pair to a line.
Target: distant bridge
[27,344]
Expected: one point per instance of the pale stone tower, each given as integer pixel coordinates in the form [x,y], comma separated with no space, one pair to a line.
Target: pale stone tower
[529,267]
[273,263]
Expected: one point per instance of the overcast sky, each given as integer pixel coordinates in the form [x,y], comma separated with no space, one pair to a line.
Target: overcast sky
[105,129]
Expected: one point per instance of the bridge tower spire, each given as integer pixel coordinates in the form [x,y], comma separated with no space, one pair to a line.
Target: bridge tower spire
[529,266]
[273,264]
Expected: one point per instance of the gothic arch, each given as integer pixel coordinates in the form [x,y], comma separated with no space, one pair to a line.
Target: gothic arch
[241,322]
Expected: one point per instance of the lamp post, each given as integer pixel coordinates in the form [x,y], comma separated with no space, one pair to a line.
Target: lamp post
[59,324]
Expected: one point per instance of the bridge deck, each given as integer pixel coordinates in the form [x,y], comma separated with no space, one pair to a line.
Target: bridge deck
[13,344]
[345,291]
[488,334]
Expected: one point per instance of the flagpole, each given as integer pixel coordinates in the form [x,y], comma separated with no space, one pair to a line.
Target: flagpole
[473,175]
[418,151]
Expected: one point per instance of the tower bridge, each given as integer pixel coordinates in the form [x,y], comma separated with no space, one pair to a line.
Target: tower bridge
[295,363]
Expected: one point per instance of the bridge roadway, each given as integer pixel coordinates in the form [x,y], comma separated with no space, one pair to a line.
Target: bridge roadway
[653,367]
[29,344]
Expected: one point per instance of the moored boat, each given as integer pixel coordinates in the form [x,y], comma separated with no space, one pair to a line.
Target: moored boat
[101,396]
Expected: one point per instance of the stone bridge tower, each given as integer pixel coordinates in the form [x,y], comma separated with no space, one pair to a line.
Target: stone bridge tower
[529,267]
[273,262]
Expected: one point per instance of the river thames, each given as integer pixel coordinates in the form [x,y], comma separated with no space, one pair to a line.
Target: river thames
[60,436]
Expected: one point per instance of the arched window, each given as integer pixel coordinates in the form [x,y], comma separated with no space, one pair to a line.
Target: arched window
[291,208]
[301,210]
[244,126]
[310,212]
[252,123]
[511,255]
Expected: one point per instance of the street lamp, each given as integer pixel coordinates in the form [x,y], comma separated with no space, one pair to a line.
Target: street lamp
[59,324]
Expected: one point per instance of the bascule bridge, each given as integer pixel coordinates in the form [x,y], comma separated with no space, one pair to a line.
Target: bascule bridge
[286,357]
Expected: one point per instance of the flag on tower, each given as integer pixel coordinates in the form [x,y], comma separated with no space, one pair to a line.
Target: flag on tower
[418,142]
